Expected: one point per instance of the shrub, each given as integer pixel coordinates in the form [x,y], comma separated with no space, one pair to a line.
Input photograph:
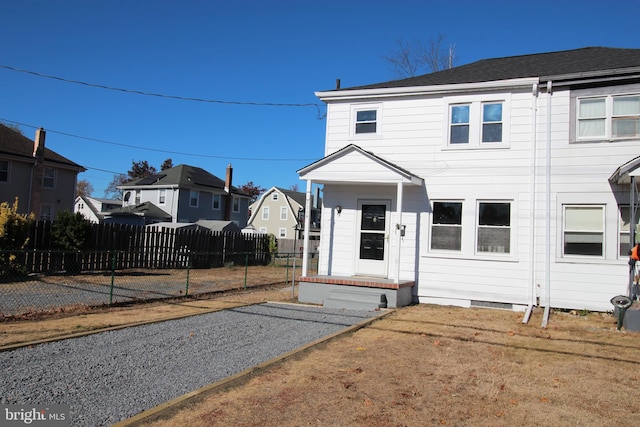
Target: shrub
[14,236]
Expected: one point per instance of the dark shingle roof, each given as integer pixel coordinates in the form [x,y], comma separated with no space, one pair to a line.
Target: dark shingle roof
[184,176]
[15,144]
[585,60]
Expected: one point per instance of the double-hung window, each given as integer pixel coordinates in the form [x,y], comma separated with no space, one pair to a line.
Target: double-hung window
[446,229]
[608,117]
[265,213]
[624,229]
[215,202]
[162,196]
[583,230]
[365,120]
[194,198]
[49,178]
[494,228]
[477,124]
[236,204]
[283,213]
[4,171]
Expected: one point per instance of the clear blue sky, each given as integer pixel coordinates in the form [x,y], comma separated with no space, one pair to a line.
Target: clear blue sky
[254,51]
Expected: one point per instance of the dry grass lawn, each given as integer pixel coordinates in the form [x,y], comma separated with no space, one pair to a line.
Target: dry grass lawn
[419,366]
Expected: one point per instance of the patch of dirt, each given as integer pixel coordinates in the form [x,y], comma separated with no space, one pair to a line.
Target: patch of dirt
[420,365]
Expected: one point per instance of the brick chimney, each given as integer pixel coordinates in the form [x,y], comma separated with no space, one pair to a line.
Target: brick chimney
[229,196]
[37,172]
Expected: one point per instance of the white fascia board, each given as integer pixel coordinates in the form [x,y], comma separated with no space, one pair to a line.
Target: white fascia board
[335,95]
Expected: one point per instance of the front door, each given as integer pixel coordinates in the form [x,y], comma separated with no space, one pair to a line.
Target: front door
[373,233]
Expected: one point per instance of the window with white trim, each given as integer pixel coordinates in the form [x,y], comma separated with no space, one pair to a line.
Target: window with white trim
[4,171]
[446,227]
[608,117]
[194,198]
[265,213]
[624,230]
[215,202]
[283,213]
[282,232]
[137,198]
[236,204]
[365,120]
[494,228]
[274,196]
[162,196]
[476,124]
[46,212]
[49,178]
[583,230]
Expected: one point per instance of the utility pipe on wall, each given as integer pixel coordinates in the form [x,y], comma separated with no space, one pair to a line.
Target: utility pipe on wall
[547,261]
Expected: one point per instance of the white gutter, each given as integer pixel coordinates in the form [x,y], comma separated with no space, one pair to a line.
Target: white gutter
[346,94]
[547,261]
[532,203]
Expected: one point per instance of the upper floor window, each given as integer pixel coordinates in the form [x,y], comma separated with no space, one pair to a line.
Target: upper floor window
[476,124]
[446,230]
[194,198]
[283,213]
[274,196]
[236,204]
[608,117]
[583,230]
[137,199]
[265,213]
[215,203]
[366,121]
[4,171]
[49,178]
[494,227]
[162,196]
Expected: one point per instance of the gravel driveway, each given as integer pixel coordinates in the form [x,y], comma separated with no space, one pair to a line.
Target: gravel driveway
[111,376]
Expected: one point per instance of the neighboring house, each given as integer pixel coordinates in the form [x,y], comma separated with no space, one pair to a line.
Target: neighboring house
[277,212]
[188,194]
[94,209]
[144,213]
[43,181]
[504,182]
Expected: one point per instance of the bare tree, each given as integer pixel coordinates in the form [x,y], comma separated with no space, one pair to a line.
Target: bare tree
[84,188]
[413,58]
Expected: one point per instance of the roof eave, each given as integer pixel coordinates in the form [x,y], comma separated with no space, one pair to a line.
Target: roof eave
[346,94]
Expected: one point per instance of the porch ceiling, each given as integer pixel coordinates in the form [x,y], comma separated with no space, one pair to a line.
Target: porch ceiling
[352,164]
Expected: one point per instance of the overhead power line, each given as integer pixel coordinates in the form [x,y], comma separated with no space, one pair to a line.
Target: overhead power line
[262,159]
[160,95]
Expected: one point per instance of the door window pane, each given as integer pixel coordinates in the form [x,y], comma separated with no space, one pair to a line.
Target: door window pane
[373,217]
[372,246]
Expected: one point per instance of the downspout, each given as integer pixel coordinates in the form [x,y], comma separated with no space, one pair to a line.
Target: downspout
[307,224]
[547,261]
[532,204]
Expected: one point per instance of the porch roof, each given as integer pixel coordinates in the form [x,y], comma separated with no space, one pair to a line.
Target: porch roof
[352,164]
[623,174]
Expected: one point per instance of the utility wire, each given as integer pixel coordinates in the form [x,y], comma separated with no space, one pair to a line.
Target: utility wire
[162,151]
[159,95]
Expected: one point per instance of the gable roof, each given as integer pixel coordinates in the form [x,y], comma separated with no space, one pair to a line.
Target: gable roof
[146,210]
[585,62]
[15,144]
[184,176]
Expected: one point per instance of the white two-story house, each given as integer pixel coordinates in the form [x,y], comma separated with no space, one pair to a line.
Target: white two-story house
[505,182]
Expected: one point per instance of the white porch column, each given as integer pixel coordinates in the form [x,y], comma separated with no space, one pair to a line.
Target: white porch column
[307,224]
[399,190]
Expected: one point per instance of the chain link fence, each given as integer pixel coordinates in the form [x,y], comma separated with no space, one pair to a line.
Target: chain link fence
[24,293]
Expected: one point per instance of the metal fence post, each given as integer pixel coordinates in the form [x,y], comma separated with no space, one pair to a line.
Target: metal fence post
[186,291]
[113,275]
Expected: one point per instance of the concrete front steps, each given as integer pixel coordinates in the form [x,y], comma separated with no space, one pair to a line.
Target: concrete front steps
[366,299]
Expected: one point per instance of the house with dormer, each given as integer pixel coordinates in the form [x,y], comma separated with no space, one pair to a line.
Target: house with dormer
[507,182]
[183,194]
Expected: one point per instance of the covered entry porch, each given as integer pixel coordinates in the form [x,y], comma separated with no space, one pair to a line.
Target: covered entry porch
[364,240]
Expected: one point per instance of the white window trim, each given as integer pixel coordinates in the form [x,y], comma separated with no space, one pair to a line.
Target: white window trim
[512,230]
[354,114]
[282,233]
[8,172]
[274,196]
[627,233]
[284,213]
[53,178]
[433,224]
[562,229]
[162,191]
[475,121]
[215,197]
[265,213]
[235,203]
[608,118]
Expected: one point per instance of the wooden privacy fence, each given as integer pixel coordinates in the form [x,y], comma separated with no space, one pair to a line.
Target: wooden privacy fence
[125,246]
